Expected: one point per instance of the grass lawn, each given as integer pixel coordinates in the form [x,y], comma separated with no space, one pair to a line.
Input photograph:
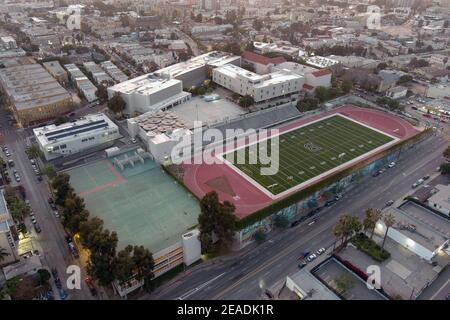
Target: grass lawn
[309,151]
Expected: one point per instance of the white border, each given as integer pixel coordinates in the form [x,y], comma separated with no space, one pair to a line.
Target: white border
[315,178]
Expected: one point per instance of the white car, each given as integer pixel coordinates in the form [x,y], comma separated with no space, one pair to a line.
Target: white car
[391,165]
[33,220]
[311,257]
[133,140]
[56,213]
[320,251]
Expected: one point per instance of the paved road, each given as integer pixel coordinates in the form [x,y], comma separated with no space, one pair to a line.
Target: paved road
[439,289]
[192,44]
[50,242]
[247,274]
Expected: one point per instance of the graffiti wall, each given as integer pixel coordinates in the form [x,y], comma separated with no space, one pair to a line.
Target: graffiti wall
[315,200]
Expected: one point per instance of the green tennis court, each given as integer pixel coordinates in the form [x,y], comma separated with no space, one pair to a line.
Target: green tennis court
[143,204]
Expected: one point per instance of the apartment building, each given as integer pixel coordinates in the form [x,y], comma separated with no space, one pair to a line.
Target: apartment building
[8,232]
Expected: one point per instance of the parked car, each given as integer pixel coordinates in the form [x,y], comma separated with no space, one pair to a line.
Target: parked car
[133,140]
[415,185]
[338,197]
[301,265]
[295,223]
[320,251]
[33,220]
[426,177]
[311,257]
[10,163]
[91,286]
[37,228]
[389,203]
[391,165]
[56,213]
[53,206]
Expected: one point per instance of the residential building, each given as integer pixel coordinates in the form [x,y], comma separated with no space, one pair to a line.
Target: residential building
[73,137]
[24,267]
[114,71]
[8,42]
[98,74]
[34,94]
[8,232]
[84,85]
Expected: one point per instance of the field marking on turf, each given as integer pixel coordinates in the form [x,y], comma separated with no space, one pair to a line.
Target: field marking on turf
[118,180]
[263,189]
[342,128]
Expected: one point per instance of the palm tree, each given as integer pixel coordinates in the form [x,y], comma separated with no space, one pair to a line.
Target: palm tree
[389,221]
[3,254]
[33,151]
[372,216]
[346,227]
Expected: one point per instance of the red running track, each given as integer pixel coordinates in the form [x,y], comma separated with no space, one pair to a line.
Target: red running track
[249,198]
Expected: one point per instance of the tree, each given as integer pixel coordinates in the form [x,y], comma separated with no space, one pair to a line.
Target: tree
[445,168]
[49,170]
[103,254]
[280,222]
[74,213]
[3,254]
[346,227]
[258,24]
[61,120]
[44,276]
[389,221]
[33,151]
[216,220]
[346,86]
[2,162]
[322,94]
[102,93]
[62,188]
[372,216]
[116,104]
[246,101]
[124,265]
[89,230]
[144,263]
[259,236]
[447,152]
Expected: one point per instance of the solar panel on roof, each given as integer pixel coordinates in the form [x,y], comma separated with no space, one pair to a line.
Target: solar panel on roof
[103,125]
[50,134]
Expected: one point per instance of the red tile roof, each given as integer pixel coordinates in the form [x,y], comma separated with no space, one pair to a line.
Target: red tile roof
[321,73]
[307,87]
[257,58]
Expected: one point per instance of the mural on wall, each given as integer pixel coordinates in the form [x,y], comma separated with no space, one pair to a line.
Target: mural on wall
[318,198]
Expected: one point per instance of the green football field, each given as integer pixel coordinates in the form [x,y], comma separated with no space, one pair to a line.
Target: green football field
[309,151]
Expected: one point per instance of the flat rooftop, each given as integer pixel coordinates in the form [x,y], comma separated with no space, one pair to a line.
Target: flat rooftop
[54,67]
[146,84]
[421,225]
[84,126]
[209,112]
[233,71]
[31,86]
[309,283]
[143,204]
